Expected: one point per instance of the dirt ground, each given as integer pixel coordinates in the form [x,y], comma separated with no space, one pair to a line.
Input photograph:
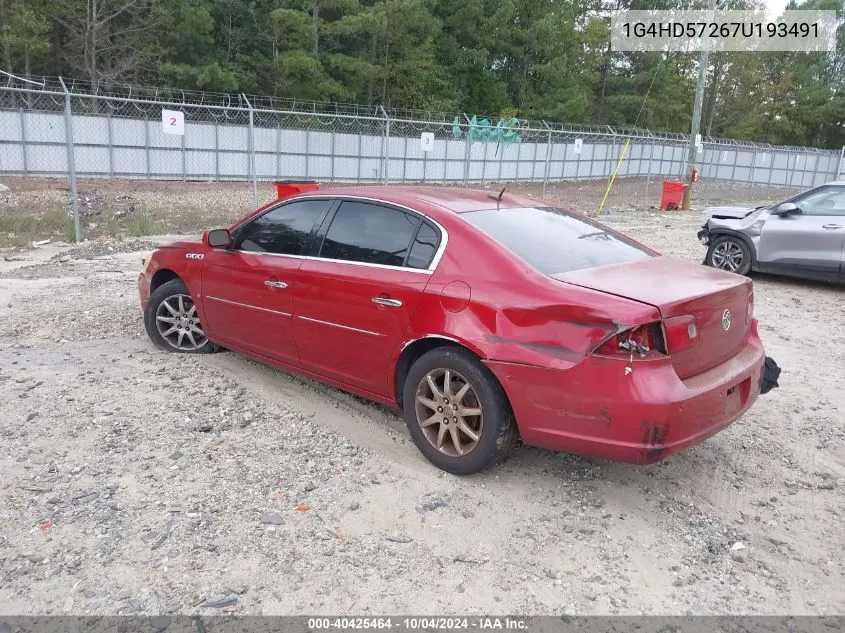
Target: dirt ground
[134,480]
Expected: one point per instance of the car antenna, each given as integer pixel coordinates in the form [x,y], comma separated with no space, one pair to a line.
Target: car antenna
[497,198]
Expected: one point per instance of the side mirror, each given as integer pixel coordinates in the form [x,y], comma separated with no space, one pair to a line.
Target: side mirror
[218,238]
[787,208]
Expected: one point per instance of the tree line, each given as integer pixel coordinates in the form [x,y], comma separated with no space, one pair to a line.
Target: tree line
[537,59]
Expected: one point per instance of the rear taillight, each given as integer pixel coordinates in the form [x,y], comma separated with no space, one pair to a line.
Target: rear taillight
[637,340]
[681,333]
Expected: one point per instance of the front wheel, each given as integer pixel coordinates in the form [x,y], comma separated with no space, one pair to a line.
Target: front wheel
[172,320]
[730,253]
[457,412]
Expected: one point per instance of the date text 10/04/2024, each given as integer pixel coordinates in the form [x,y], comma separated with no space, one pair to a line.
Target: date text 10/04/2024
[419,623]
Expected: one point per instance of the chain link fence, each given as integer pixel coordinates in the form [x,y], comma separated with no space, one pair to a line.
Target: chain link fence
[57,129]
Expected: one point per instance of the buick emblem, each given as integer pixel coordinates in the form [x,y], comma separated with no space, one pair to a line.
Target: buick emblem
[726,319]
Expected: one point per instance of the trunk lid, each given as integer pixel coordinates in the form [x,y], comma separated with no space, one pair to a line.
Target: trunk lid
[678,288]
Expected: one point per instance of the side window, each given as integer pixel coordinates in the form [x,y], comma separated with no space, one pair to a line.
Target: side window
[285,230]
[424,247]
[369,233]
[828,201]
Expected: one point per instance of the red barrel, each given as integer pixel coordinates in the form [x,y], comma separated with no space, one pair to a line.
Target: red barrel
[285,188]
[673,192]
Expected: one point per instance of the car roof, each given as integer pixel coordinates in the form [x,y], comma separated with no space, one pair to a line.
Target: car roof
[456,199]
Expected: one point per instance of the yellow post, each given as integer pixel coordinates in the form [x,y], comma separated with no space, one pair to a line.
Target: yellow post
[615,171]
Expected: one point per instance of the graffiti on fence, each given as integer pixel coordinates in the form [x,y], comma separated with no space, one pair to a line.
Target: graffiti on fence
[505,131]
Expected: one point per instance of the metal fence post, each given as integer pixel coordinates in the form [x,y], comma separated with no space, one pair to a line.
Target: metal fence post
[279,150]
[147,142]
[23,143]
[467,151]
[648,175]
[609,165]
[216,150]
[111,147]
[771,169]
[754,172]
[331,175]
[308,153]
[385,146]
[548,159]
[735,153]
[360,149]
[182,158]
[404,161]
[71,166]
[252,153]
[841,169]
[563,162]
[500,147]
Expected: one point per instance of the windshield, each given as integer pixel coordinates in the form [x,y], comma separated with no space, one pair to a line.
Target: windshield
[555,240]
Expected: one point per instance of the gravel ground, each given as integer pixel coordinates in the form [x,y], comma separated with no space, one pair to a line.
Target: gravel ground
[134,480]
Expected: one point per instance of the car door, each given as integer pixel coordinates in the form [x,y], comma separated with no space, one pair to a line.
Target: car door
[248,287]
[354,300]
[812,239]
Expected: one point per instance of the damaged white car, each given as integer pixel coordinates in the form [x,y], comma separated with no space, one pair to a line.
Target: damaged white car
[802,236]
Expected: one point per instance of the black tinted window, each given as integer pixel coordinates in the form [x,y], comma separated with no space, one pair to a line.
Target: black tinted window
[284,230]
[425,245]
[554,240]
[362,232]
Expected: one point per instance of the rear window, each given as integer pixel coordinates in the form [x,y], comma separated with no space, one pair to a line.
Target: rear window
[554,240]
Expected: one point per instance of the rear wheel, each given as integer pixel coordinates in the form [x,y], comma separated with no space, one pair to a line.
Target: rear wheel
[172,320]
[457,412]
[730,253]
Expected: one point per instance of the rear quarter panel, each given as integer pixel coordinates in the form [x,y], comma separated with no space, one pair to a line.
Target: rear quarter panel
[502,309]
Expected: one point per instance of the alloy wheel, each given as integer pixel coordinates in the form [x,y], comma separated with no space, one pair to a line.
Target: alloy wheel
[449,412]
[178,323]
[727,256]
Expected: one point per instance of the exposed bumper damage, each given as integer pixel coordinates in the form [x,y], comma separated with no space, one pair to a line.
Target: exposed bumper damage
[718,220]
[598,410]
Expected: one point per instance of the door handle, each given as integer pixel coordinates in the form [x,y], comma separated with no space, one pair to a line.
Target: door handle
[831,227]
[275,284]
[390,303]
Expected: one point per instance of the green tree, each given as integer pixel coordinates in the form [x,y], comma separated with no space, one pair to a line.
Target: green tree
[185,51]
[24,34]
[104,40]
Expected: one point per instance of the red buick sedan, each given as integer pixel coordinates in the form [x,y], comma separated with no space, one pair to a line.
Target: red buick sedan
[484,318]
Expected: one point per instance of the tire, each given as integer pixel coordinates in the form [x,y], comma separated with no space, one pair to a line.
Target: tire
[164,320]
[730,253]
[494,427]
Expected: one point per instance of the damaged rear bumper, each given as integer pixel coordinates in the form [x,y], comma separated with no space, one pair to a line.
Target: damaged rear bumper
[594,409]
